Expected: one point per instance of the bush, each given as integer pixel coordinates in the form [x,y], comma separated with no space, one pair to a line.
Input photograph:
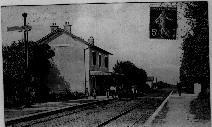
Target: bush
[125,93]
[65,96]
[145,88]
[200,107]
[131,75]
[19,81]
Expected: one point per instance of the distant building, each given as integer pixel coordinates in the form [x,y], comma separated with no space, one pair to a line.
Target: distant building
[80,63]
[150,81]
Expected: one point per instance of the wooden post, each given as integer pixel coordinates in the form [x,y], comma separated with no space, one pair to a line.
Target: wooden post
[26,39]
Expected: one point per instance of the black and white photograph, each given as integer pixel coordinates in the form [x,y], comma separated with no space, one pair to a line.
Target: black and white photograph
[113,63]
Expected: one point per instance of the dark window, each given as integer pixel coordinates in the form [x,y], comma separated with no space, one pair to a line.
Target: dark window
[106,62]
[100,60]
[94,58]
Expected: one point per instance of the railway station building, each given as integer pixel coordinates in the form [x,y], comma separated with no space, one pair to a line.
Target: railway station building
[79,63]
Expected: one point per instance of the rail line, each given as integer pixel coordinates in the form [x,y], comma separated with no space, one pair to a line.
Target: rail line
[115,117]
[45,115]
[133,108]
[60,113]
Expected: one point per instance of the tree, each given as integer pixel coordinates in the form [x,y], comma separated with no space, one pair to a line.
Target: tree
[39,67]
[133,76]
[17,85]
[195,58]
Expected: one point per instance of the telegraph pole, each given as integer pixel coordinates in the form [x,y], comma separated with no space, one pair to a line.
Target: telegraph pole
[25,28]
[26,39]
[26,45]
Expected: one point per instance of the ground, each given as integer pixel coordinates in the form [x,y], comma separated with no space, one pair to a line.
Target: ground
[178,114]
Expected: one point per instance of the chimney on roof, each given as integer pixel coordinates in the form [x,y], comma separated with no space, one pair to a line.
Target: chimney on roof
[67,27]
[91,40]
[54,27]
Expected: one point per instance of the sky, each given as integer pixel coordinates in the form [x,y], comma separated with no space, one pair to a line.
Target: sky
[120,28]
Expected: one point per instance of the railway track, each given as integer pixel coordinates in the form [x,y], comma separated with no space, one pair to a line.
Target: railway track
[133,123]
[136,113]
[49,115]
[115,117]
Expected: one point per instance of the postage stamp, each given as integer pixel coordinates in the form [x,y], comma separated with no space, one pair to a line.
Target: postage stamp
[105,63]
[163,22]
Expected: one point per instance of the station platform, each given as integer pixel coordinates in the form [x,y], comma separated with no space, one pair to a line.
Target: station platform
[11,114]
[177,113]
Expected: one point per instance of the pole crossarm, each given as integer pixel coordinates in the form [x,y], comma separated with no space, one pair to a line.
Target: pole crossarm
[19,28]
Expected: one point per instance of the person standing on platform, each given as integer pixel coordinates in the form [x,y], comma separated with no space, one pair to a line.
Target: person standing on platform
[107,92]
[86,93]
[113,91]
[133,92]
[94,93]
[179,88]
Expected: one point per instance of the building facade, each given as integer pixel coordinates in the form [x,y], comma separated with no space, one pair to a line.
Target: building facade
[77,63]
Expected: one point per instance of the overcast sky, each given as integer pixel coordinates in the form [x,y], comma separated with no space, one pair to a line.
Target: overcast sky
[122,29]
